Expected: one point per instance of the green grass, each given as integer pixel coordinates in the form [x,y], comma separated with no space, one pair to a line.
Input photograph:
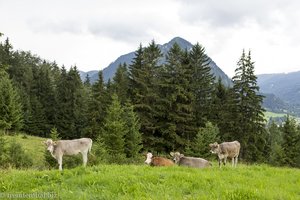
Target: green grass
[272,114]
[32,145]
[144,182]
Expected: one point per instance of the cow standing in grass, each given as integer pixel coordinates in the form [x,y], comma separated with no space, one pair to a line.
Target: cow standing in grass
[182,160]
[157,161]
[69,147]
[226,150]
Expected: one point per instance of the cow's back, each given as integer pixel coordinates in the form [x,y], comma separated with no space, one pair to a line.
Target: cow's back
[194,162]
[232,149]
[159,161]
[70,147]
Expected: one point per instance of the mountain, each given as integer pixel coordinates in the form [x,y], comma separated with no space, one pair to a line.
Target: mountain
[109,71]
[282,92]
[285,86]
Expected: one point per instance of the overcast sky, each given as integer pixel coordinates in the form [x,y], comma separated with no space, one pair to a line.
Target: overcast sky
[93,33]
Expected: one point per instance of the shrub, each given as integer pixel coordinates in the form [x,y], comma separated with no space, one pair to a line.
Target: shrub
[17,157]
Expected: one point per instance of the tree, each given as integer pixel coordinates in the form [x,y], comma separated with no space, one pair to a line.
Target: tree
[121,83]
[249,122]
[291,143]
[97,104]
[133,138]
[276,155]
[175,101]
[205,136]
[10,107]
[143,90]
[202,83]
[114,131]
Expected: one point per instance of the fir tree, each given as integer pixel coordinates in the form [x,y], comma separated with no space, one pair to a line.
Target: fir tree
[133,138]
[114,131]
[249,127]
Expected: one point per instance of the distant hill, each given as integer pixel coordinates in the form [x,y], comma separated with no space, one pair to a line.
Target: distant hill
[282,92]
[109,71]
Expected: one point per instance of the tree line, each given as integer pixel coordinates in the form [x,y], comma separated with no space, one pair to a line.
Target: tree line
[147,106]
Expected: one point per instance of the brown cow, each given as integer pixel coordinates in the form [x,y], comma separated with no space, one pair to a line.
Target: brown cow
[226,150]
[158,161]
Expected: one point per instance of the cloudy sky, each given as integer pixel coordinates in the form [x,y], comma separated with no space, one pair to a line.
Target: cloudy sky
[93,33]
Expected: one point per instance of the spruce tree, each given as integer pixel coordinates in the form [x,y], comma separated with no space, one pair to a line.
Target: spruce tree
[249,122]
[291,143]
[121,83]
[133,138]
[114,131]
[202,83]
[276,154]
[11,118]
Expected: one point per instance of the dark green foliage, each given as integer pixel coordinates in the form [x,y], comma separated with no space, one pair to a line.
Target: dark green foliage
[205,136]
[175,101]
[291,143]
[99,154]
[11,118]
[249,122]
[133,138]
[202,83]
[276,154]
[120,84]
[97,104]
[114,131]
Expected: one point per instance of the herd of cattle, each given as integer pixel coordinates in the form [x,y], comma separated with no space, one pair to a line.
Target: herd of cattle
[72,147]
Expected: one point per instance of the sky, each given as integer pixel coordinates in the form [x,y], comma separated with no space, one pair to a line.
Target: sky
[93,33]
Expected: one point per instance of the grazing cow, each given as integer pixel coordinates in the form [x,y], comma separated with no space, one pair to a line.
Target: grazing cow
[226,150]
[182,160]
[69,147]
[157,161]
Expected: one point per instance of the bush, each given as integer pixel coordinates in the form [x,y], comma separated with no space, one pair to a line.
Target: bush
[16,156]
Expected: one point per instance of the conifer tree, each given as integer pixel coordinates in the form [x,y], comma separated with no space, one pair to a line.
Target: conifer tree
[249,122]
[291,143]
[114,131]
[133,138]
[121,83]
[202,83]
[275,140]
[11,118]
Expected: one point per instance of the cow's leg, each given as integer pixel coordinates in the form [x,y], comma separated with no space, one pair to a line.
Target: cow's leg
[225,160]
[233,161]
[236,160]
[59,160]
[84,158]
[220,160]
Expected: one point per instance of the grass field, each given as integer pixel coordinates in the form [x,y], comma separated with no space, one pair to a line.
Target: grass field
[144,182]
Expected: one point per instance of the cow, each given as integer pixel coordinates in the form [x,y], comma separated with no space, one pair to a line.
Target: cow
[69,147]
[182,160]
[157,161]
[226,150]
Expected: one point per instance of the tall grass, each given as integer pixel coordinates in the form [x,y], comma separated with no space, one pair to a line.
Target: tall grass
[144,182]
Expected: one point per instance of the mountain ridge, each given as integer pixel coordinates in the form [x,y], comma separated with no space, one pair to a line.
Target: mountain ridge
[109,71]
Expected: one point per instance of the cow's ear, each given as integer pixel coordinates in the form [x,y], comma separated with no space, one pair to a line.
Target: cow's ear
[211,145]
[181,155]
[54,143]
[172,154]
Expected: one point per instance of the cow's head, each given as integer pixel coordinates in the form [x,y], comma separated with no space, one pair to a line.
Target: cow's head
[148,158]
[176,156]
[50,145]
[214,148]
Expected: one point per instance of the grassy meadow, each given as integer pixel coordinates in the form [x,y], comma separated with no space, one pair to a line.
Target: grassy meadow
[145,182]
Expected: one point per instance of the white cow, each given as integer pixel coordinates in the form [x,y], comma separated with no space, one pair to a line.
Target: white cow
[69,147]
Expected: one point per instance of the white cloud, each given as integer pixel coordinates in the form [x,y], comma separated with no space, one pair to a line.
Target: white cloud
[93,33]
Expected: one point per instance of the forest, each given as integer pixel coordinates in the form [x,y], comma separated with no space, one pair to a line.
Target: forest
[148,106]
